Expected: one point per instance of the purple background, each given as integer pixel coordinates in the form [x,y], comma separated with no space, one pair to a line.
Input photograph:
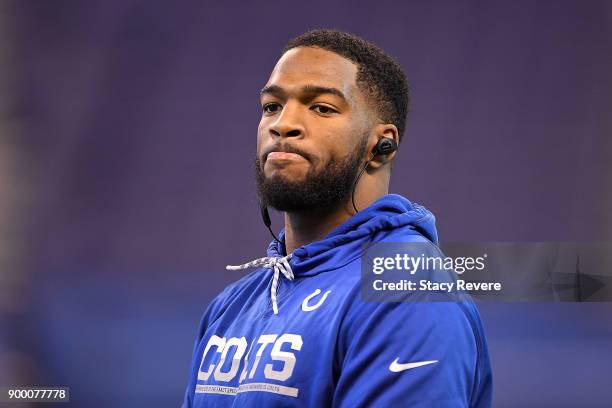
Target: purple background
[137,128]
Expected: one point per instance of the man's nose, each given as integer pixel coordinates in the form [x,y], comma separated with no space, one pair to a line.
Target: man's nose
[288,122]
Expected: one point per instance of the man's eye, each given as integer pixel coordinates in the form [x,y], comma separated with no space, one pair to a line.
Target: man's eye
[271,108]
[325,110]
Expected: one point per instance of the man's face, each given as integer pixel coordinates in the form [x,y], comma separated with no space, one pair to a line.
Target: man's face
[313,132]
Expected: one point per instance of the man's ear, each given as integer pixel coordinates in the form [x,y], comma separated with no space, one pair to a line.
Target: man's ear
[383,130]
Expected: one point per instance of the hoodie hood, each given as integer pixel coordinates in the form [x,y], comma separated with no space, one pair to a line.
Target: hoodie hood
[392,214]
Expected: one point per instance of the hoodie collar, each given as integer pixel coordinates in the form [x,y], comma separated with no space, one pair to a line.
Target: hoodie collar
[345,243]
[387,213]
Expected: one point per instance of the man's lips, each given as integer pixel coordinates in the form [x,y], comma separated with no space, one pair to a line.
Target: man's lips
[284,156]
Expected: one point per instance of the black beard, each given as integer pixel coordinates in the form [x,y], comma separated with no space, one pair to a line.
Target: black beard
[321,191]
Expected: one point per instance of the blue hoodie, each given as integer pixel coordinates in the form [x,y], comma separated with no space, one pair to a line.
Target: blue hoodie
[296,333]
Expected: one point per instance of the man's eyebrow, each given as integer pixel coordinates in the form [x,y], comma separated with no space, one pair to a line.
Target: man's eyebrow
[272,90]
[307,89]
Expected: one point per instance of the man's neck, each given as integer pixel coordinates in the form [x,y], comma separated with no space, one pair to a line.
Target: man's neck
[302,228]
[305,227]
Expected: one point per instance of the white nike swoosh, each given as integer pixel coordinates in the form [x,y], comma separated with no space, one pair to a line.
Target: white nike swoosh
[396,367]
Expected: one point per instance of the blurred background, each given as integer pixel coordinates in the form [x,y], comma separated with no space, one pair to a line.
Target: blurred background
[127,132]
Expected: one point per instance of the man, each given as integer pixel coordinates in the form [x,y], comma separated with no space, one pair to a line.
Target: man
[295,332]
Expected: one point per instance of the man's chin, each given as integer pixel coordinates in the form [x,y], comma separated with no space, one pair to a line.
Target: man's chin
[285,194]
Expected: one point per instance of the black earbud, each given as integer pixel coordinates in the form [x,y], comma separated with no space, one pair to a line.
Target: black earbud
[384,147]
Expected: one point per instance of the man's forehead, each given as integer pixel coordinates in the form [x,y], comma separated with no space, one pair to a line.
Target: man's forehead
[309,65]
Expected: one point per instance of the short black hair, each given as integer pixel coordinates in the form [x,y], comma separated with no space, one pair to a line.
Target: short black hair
[379,76]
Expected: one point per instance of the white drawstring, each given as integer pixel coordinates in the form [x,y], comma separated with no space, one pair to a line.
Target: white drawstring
[277,264]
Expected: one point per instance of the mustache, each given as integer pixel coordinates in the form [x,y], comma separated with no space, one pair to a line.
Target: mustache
[287,148]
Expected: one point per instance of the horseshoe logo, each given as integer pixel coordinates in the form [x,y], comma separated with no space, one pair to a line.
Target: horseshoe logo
[307,308]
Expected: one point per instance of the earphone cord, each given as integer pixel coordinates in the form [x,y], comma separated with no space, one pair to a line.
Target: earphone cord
[277,240]
[357,179]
